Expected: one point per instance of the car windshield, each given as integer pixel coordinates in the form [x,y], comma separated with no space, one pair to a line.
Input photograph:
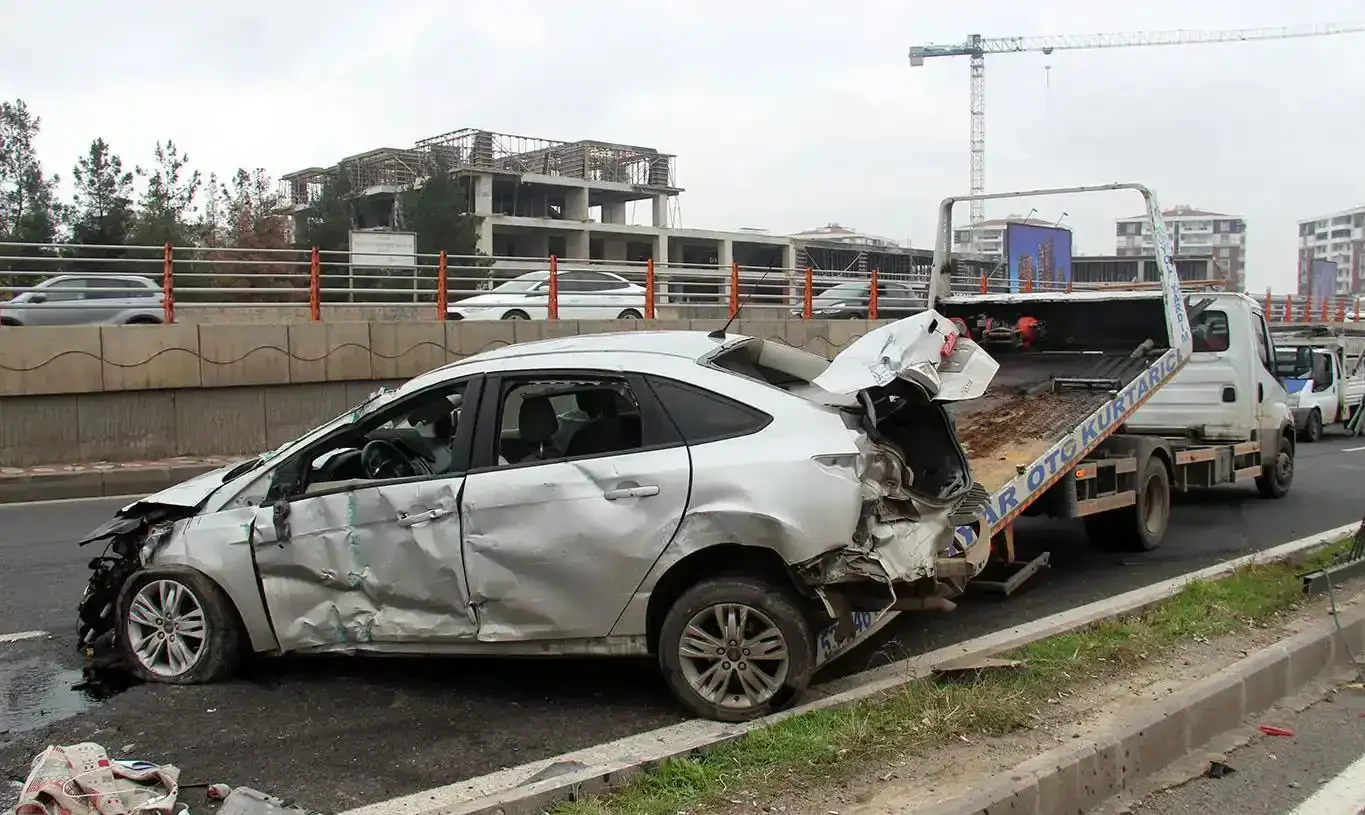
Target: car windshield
[842,293]
[520,284]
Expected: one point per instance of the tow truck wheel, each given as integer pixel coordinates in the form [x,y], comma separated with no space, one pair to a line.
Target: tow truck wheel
[1312,431]
[1142,526]
[1276,476]
[736,648]
[176,626]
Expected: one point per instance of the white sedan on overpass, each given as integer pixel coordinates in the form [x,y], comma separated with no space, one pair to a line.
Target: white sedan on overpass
[583,295]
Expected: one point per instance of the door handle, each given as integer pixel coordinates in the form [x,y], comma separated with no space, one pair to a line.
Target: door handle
[631,492]
[1260,392]
[421,517]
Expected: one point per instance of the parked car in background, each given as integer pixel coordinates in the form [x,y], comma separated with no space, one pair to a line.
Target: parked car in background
[850,301]
[583,295]
[86,299]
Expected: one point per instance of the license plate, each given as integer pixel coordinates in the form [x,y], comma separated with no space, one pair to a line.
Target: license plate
[829,645]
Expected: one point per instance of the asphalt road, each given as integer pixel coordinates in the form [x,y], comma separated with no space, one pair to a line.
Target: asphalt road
[337,732]
[1277,775]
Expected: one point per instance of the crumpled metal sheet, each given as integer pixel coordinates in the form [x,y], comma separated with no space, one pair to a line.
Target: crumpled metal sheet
[350,575]
[909,350]
[533,576]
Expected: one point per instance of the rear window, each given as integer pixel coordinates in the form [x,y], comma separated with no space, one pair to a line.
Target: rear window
[702,416]
[1211,331]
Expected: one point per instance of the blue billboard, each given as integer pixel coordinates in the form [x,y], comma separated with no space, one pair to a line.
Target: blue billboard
[1039,257]
[1322,279]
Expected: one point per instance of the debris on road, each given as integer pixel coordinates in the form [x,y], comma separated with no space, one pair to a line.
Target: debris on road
[246,801]
[217,792]
[82,780]
[1218,769]
[1272,730]
[978,665]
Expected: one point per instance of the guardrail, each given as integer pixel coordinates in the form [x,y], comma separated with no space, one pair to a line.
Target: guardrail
[41,283]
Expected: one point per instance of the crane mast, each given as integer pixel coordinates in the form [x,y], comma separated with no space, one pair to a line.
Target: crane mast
[977,47]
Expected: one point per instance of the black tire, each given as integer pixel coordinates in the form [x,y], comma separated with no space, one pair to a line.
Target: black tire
[774,602]
[9,322]
[1142,526]
[223,641]
[629,314]
[1277,476]
[516,314]
[1312,431]
[143,321]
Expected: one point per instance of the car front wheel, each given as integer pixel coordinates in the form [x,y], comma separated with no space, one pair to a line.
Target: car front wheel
[176,626]
[736,648]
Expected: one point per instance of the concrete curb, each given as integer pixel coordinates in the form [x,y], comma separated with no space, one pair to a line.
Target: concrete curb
[533,787]
[1088,771]
[91,481]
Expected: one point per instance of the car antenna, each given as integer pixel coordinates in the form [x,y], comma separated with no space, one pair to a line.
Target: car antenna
[719,333]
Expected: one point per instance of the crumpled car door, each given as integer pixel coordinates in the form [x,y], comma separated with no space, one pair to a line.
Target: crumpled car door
[925,349]
[366,567]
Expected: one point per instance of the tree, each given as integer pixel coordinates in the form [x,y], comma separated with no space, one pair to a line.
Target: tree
[251,220]
[209,229]
[102,208]
[28,211]
[166,210]
[437,211]
[328,220]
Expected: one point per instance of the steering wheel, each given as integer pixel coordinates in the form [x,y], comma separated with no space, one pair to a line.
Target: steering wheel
[383,460]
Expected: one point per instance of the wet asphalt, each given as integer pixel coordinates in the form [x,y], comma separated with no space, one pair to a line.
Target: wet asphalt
[337,732]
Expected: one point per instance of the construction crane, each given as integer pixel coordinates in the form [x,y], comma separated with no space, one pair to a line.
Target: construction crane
[977,47]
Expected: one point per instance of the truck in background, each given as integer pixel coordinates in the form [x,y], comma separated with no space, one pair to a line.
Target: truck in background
[1324,374]
[1105,402]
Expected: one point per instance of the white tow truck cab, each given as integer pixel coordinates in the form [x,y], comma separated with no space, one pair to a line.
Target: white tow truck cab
[1107,401]
[1324,377]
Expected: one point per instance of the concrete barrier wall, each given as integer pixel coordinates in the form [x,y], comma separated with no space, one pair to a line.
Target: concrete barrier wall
[136,393]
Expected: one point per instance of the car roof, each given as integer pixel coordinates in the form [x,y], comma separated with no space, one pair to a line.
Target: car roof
[689,345]
[100,275]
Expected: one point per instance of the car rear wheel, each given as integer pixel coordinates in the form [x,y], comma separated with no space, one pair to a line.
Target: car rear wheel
[629,314]
[1277,476]
[177,627]
[1312,430]
[736,648]
[516,314]
[1142,526]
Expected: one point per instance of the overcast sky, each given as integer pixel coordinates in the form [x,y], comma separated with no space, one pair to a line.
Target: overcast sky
[784,115]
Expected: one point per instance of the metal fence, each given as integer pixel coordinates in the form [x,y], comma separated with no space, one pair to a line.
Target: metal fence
[59,284]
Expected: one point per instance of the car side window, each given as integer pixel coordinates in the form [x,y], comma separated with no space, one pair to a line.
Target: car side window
[596,281]
[62,290]
[573,282]
[1210,331]
[548,418]
[126,288]
[703,416]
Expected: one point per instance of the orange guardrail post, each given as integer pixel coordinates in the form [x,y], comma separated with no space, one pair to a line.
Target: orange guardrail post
[808,295]
[442,278]
[167,285]
[872,297]
[1269,312]
[1358,318]
[734,288]
[552,305]
[1288,309]
[315,286]
[1068,284]
[984,287]
[1341,310]
[649,289]
[1326,303]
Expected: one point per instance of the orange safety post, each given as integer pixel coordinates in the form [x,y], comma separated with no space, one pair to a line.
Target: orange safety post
[649,289]
[442,279]
[1028,284]
[872,297]
[167,286]
[1068,284]
[552,306]
[984,288]
[734,289]
[1326,304]
[1269,313]
[315,286]
[808,295]
[1341,310]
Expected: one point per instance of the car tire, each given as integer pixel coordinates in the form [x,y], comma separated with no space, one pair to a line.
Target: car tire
[9,322]
[1142,526]
[220,648]
[629,314]
[1312,429]
[1277,476]
[772,616]
[516,314]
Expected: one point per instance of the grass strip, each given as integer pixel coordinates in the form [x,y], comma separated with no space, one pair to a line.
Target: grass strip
[928,712]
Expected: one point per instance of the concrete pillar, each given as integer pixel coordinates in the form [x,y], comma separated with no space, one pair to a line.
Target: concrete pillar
[661,211]
[727,253]
[789,258]
[576,207]
[483,196]
[661,267]
[614,212]
[796,278]
[485,244]
[660,248]
[576,244]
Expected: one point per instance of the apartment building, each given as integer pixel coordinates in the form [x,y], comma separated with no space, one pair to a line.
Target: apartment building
[986,240]
[1195,233]
[1338,237]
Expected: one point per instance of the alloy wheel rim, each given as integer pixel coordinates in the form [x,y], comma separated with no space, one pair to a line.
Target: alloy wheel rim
[167,628]
[734,656]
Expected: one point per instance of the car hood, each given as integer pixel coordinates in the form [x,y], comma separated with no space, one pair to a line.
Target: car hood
[925,349]
[188,494]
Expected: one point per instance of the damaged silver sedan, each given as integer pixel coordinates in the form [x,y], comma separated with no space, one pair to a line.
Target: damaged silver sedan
[737,508]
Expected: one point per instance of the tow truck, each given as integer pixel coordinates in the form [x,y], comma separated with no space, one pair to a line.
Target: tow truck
[1323,369]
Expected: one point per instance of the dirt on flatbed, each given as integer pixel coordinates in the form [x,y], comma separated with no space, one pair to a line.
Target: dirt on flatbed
[1004,431]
